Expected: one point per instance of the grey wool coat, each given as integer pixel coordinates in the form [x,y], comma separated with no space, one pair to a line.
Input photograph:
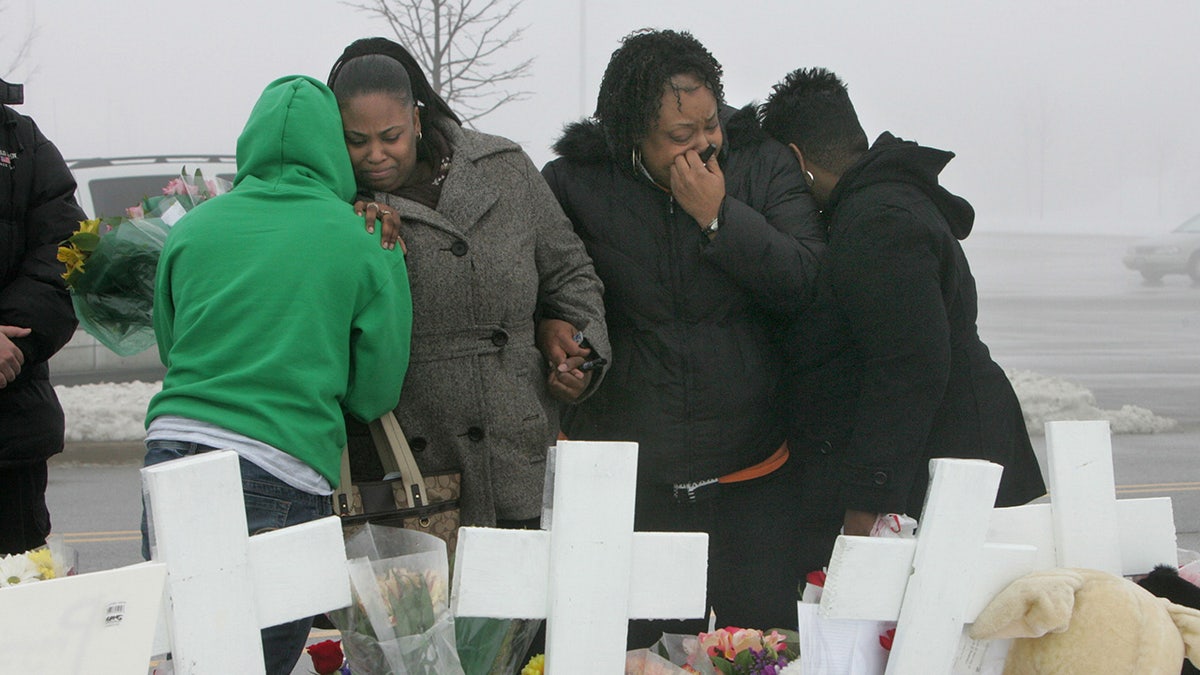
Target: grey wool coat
[497,254]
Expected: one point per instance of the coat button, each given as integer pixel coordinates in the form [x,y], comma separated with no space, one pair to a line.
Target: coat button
[499,338]
[880,478]
[475,434]
[459,248]
[418,443]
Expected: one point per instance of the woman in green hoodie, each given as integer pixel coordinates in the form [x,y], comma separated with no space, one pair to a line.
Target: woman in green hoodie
[267,333]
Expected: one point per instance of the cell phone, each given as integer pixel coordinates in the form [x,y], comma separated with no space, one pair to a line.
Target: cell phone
[708,152]
[593,364]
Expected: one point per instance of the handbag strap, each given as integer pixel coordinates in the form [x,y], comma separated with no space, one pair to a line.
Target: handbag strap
[396,456]
[341,496]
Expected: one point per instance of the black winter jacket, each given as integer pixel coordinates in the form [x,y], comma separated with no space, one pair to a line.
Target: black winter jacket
[889,369]
[693,369]
[37,212]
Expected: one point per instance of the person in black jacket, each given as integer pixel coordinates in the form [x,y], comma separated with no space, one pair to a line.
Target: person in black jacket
[37,211]
[706,239]
[888,369]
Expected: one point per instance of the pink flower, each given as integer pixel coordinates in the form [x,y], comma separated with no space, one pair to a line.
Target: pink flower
[176,187]
[135,212]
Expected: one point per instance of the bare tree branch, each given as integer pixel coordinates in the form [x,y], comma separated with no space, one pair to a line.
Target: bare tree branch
[458,43]
[23,47]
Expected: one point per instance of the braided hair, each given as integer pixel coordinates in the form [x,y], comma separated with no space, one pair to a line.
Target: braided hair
[632,88]
[367,66]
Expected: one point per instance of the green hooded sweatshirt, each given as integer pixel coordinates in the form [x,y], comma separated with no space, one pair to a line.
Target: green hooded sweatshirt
[274,310]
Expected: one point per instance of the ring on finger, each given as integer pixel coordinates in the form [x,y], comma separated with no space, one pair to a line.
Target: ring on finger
[372,205]
[384,213]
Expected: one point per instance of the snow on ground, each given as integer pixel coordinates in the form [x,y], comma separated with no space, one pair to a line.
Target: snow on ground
[1049,399]
[116,412]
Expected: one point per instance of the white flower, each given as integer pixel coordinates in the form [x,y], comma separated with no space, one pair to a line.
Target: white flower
[17,569]
[793,668]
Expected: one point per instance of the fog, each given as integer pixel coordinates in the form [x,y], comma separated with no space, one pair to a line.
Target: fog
[1066,116]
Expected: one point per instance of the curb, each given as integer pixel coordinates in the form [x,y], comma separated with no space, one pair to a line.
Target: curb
[104,453]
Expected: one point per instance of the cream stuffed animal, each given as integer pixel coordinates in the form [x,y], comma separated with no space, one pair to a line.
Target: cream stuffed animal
[1086,622]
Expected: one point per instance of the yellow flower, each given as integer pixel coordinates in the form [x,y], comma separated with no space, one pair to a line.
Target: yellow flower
[89,226]
[44,561]
[73,258]
[536,665]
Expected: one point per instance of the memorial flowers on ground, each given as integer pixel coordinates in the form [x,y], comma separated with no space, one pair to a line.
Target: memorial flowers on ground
[48,562]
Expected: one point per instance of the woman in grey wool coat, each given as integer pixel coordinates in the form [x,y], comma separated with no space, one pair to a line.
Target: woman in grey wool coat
[492,262]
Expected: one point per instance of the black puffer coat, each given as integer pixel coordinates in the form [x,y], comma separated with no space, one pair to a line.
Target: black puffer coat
[888,368]
[37,211]
[689,319]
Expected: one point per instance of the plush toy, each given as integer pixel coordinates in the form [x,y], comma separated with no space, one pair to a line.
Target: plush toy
[1086,622]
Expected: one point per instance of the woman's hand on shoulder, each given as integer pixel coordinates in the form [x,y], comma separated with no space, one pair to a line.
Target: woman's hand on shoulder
[373,212]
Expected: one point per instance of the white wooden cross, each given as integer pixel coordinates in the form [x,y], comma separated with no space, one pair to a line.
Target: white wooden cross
[588,573]
[920,584]
[1084,524]
[223,586]
[101,623]
[934,584]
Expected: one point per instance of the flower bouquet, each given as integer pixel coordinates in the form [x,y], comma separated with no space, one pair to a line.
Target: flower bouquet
[51,561]
[728,651]
[111,263]
[399,619]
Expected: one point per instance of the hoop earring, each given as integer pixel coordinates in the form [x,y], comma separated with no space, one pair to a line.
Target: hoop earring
[418,136]
[635,157]
[808,177]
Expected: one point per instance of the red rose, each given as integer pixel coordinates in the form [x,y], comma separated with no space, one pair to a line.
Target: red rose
[326,656]
[887,639]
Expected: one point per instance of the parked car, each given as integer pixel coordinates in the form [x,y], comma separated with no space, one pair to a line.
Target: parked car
[1177,252]
[106,187]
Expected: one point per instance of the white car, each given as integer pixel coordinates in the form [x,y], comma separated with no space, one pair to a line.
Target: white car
[106,187]
[1177,252]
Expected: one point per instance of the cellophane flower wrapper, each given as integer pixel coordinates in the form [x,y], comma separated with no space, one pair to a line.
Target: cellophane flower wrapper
[114,295]
[681,650]
[646,662]
[493,646]
[114,298]
[398,622]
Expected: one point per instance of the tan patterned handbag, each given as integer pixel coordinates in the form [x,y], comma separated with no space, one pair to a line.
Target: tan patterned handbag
[404,498]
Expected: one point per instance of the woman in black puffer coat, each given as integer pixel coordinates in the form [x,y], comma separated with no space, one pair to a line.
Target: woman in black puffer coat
[702,257]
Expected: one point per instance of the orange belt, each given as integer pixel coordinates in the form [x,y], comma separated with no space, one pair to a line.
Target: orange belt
[768,465]
[759,470]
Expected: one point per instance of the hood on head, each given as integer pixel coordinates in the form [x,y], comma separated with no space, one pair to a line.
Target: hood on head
[294,137]
[893,159]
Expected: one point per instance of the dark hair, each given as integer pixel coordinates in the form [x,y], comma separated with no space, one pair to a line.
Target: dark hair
[632,88]
[811,108]
[378,65]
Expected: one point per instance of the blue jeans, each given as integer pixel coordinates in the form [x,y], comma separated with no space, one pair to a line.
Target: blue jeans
[270,505]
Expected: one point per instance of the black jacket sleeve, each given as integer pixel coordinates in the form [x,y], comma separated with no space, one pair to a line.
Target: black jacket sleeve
[771,237]
[32,292]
